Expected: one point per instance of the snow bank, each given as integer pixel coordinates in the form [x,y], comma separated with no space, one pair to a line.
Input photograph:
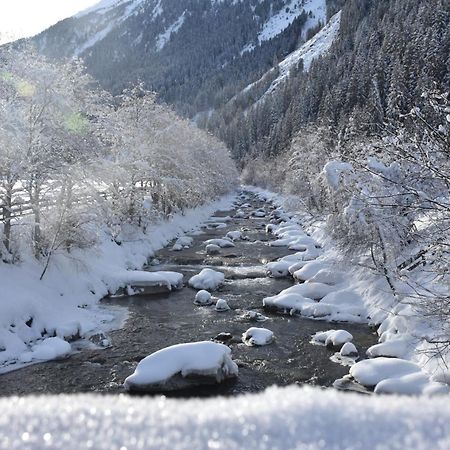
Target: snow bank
[205,359]
[280,418]
[65,302]
[207,279]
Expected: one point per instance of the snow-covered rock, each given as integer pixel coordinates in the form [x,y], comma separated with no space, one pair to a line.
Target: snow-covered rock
[182,242]
[332,338]
[49,348]
[257,336]
[181,366]
[370,372]
[222,305]
[394,348]
[222,243]
[212,249]
[142,282]
[278,269]
[203,298]
[253,316]
[234,235]
[349,349]
[288,302]
[207,279]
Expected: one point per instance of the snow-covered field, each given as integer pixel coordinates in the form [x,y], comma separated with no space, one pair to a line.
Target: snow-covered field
[65,302]
[280,418]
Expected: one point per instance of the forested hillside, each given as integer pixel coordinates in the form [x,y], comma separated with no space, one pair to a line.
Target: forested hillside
[196,54]
[386,55]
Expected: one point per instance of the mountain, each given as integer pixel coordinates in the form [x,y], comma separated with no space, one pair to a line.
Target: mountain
[196,54]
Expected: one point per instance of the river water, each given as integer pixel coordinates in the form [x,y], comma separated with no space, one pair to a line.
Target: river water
[157,321]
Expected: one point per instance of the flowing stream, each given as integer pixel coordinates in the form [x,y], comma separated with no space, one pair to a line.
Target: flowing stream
[157,321]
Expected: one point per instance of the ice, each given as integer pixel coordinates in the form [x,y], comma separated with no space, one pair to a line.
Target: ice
[222,305]
[207,279]
[49,348]
[206,359]
[257,336]
[370,372]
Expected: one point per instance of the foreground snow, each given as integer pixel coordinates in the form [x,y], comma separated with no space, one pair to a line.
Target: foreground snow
[280,418]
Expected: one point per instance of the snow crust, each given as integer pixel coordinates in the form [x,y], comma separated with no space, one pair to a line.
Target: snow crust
[279,418]
[199,358]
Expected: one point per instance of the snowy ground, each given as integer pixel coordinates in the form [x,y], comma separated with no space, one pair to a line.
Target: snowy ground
[65,303]
[280,418]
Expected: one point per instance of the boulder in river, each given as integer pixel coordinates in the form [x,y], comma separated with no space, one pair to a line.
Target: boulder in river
[183,366]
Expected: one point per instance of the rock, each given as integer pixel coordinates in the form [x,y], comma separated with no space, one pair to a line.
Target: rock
[348,349]
[203,298]
[257,337]
[223,337]
[212,249]
[222,305]
[183,366]
[254,316]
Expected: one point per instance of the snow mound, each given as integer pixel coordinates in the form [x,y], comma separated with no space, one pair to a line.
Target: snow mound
[309,270]
[182,242]
[288,302]
[202,359]
[370,372]
[207,279]
[212,249]
[222,243]
[222,305]
[257,336]
[234,235]
[395,348]
[46,350]
[140,278]
[332,338]
[349,349]
[203,298]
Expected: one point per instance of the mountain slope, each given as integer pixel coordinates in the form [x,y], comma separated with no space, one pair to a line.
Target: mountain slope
[197,54]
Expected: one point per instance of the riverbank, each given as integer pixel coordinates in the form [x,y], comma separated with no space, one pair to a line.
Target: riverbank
[64,305]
